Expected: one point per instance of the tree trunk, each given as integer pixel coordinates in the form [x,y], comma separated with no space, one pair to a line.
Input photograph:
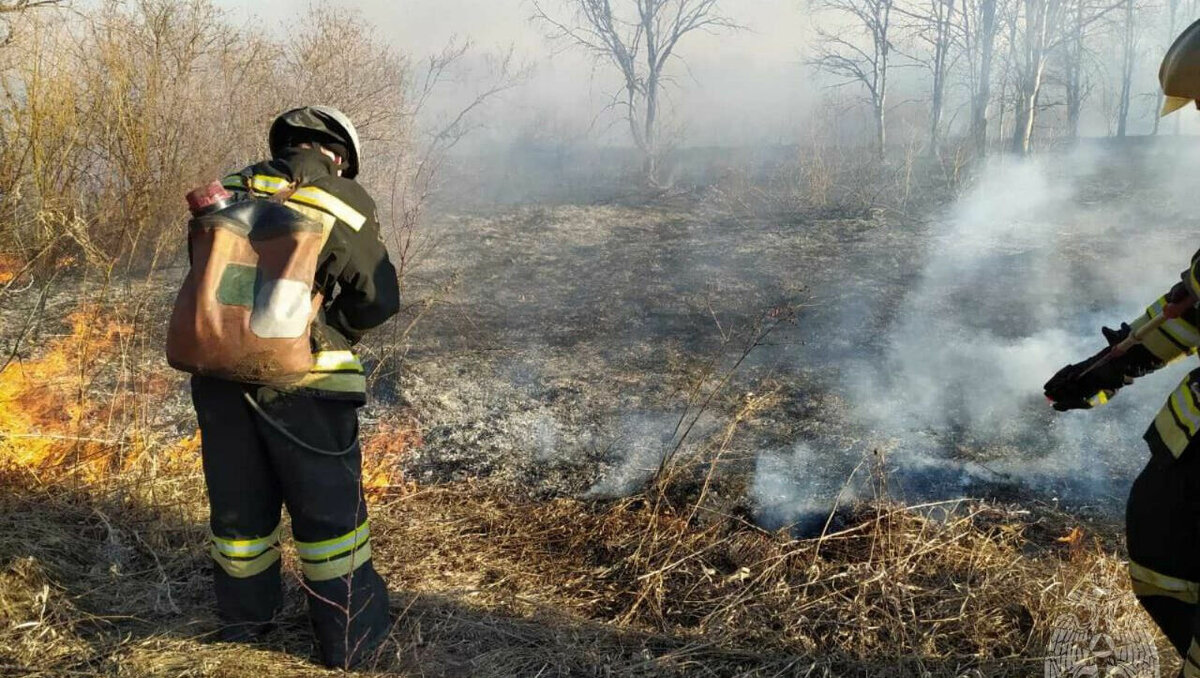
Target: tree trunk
[941,51]
[651,133]
[983,91]
[1025,115]
[1128,58]
[1074,75]
[880,129]
[1173,6]
[1029,84]
[882,47]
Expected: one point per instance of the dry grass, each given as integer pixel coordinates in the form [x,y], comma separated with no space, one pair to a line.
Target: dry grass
[103,569]
[489,584]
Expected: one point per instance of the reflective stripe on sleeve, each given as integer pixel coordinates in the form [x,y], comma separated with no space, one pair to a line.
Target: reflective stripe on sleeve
[1147,582]
[1174,339]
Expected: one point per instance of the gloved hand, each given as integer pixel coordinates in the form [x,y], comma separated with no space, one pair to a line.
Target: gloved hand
[1071,389]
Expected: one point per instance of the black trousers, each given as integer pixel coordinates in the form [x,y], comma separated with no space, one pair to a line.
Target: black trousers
[1162,525]
[252,469]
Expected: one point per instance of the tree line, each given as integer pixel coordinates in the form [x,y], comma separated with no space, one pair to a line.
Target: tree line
[994,73]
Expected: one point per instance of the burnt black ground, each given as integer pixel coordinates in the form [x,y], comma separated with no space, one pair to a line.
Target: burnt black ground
[563,358]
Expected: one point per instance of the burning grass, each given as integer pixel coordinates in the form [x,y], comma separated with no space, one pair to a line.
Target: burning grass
[81,406]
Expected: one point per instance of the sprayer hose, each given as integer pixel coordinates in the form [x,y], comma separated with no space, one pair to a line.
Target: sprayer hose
[291,437]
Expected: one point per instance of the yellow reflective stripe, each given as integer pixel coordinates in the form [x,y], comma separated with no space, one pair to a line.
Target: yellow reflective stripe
[1191,661]
[268,184]
[1161,346]
[332,569]
[1185,408]
[1158,584]
[235,182]
[336,361]
[1175,438]
[311,195]
[1182,331]
[341,382]
[242,569]
[245,547]
[1166,347]
[336,546]
[326,220]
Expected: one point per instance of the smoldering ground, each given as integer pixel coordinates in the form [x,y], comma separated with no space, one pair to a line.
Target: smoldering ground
[920,346]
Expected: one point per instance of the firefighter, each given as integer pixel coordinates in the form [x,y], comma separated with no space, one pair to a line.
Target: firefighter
[266,447]
[1162,520]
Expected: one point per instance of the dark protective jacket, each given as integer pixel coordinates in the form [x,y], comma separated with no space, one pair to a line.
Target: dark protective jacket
[354,274]
[1175,431]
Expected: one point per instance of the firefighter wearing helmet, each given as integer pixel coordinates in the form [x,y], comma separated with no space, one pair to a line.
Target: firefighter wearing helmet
[1162,516]
[265,446]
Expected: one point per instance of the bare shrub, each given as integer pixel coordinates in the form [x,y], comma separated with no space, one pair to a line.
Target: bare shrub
[109,117]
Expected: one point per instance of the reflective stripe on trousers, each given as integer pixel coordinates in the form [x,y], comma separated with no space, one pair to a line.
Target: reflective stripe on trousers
[337,557]
[242,558]
[1147,582]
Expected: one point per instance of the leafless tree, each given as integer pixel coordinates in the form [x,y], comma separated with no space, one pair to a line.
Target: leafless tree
[978,29]
[1076,54]
[1044,26]
[1040,23]
[1189,8]
[1129,48]
[638,39]
[860,54]
[932,25]
[16,7]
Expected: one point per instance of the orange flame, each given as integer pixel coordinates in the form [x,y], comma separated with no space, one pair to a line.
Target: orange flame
[49,418]
[9,267]
[383,452]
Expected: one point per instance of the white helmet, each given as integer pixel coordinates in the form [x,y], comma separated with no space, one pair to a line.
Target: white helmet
[320,124]
[1179,74]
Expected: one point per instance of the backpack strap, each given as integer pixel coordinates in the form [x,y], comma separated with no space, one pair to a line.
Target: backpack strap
[284,194]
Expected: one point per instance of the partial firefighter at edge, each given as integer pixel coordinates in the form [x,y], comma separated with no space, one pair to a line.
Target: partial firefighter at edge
[1162,521]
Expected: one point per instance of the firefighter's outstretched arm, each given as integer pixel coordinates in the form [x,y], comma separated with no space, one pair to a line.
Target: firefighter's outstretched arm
[1166,332]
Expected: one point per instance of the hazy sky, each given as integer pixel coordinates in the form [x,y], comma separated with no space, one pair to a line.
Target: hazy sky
[736,87]
[731,88]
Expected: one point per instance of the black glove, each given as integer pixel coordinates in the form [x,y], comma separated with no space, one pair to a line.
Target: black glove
[1072,389]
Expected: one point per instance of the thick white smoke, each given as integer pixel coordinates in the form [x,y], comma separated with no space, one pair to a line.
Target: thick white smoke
[1019,277]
